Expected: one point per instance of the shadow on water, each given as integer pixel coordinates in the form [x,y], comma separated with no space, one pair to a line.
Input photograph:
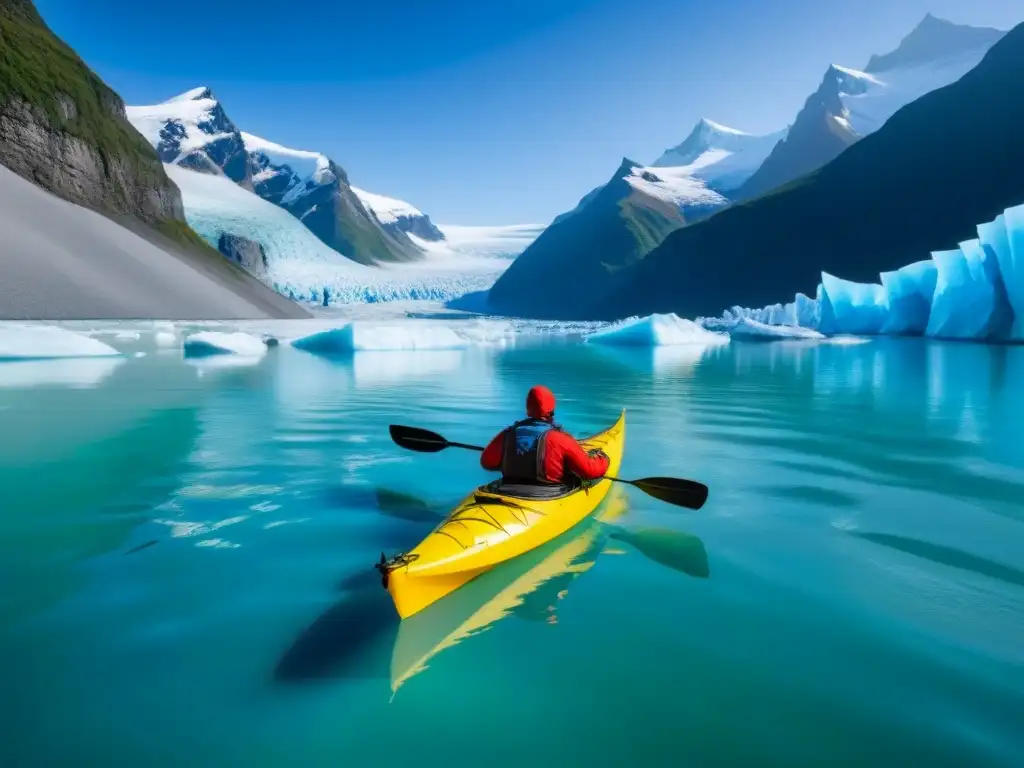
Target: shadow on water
[340,644]
[813,494]
[949,556]
[350,639]
[682,552]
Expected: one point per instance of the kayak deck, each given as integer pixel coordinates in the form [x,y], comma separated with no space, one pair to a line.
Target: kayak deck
[487,528]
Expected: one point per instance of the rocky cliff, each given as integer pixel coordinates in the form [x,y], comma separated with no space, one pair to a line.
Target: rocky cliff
[62,128]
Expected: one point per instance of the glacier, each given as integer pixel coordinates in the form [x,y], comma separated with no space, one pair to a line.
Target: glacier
[47,342]
[656,331]
[207,343]
[302,267]
[908,292]
[972,292]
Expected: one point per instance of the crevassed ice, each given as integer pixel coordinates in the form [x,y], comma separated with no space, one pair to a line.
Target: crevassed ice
[299,264]
[908,292]
[848,307]
[1008,244]
[968,302]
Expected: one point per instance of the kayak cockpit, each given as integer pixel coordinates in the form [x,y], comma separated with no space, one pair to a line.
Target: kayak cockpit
[529,491]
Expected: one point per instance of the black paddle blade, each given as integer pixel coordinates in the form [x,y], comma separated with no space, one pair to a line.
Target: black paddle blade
[674,490]
[416,439]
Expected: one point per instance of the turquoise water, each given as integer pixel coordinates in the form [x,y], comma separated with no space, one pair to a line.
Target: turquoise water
[186,557]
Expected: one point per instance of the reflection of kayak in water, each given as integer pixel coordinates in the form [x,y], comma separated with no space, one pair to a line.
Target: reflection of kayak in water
[488,528]
[529,587]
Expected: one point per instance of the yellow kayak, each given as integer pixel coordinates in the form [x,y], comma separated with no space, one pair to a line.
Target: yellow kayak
[487,528]
[501,592]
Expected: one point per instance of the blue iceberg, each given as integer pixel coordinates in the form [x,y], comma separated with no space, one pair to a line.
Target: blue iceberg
[975,291]
[855,308]
[909,292]
[969,301]
[1010,256]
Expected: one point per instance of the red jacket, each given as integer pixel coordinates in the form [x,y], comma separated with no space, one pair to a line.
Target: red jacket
[561,453]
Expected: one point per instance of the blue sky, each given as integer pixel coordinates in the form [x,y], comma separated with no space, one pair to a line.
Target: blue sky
[491,112]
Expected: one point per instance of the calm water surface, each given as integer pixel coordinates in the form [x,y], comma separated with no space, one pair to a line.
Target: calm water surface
[852,594]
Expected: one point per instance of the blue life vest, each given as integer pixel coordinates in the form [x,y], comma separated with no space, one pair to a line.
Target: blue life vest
[522,459]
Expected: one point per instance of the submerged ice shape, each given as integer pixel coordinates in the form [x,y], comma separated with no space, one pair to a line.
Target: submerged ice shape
[1007,241]
[375,337]
[656,331]
[851,308]
[909,292]
[75,373]
[43,342]
[968,302]
[207,343]
[371,369]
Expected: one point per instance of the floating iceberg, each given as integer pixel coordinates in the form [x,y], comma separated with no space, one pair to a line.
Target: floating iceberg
[852,308]
[909,292]
[745,328]
[42,342]
[80,373]
[969,302]
[358,336]
[207,343]
[656,331]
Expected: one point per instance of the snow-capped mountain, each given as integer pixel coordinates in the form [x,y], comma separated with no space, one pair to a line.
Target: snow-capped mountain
[719,157]
[850,104]
[193,131]
[399,216]
[915,190]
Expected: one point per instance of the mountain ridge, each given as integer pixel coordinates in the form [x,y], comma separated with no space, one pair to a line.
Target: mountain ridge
[920,183]
[850,104]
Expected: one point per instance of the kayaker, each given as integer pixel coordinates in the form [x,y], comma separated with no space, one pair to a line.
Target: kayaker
[536,451]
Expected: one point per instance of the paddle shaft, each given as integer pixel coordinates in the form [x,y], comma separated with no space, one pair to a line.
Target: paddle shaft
[450,444]
[682,493]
